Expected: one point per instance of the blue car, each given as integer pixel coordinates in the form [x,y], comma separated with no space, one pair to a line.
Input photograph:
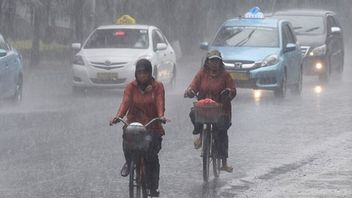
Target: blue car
[11,75]
[260,53]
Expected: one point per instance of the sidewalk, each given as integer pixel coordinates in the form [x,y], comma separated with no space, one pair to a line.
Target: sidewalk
[330,175]
[327,174]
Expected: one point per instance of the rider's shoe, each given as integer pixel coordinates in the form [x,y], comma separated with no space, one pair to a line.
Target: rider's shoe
[197,143]
[195,132]
[125,171]
[197,129]
[154,193]
[227,168]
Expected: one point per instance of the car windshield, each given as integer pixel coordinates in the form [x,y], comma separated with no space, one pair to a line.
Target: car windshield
[118,38]
[247,37]
[306,24]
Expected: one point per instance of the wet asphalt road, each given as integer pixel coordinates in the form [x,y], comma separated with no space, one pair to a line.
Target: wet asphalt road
[56,144]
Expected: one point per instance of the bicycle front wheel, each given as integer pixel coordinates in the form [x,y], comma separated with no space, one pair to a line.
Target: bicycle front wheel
[137,187]
[132,183]
[206,155]
[215,157]
[216,166]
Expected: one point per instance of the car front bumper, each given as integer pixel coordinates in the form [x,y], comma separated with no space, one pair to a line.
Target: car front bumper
[267,78]
[88,76]
[315,65]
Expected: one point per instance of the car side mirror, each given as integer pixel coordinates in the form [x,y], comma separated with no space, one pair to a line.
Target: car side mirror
[335,30]
[3,52]
[161,46]
[204,45]
[76,46]
[290,47]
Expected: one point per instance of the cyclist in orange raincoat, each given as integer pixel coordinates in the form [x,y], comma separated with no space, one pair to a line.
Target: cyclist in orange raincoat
[143,100]
[210,81]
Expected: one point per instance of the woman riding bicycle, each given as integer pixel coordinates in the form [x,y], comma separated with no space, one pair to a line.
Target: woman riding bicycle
[143,100]
[214,82]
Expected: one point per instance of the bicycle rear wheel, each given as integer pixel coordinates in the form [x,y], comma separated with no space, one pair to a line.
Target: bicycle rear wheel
[206,155]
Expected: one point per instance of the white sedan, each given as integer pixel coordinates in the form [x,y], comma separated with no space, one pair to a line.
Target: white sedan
[108,57]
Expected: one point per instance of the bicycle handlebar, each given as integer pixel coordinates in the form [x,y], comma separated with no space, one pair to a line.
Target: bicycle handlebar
[151,121]
[156,119]
[225,92]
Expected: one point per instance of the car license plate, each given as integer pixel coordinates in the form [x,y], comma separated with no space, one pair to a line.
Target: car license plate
[239,76]
[107,76]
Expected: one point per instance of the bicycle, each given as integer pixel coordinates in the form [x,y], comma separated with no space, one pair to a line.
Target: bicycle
[208,115]
[137,140]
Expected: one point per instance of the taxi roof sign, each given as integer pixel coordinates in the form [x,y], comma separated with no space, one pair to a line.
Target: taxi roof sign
[254,13]
[125,20]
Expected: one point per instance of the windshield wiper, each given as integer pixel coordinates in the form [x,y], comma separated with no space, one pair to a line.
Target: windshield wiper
[221,41]
[244,41]
[312,29]
[297,27]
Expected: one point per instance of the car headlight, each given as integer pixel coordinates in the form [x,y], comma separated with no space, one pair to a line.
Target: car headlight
[318,51]
[78,60]
[270,60]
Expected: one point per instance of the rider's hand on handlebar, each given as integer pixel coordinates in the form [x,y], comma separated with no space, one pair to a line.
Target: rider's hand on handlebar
[114,121]
[225,95]
[225,92]
[163,119]
[189,93]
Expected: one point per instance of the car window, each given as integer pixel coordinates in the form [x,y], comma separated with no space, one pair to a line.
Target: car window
[3,44]
[306,24]
[336,22]
[331,21]
[157,38]
[288,37]
[119,38]
[293,35]
[247,37]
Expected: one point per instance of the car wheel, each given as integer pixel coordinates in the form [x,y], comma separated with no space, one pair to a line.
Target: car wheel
[79,90]
[325,77]
[172,83]
[17,97]
[155,73]
[297,89]
[340,70]
[281,91]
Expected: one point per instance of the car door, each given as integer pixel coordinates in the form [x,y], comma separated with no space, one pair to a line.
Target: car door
[2,75]
[289,56]
[296,55]
[162,56]
[14,67]
[334,43]
[4,68]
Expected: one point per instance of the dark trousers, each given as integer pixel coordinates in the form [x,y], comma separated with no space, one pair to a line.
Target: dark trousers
[221,138]
[151,160]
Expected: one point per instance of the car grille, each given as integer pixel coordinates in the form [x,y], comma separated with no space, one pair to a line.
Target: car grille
[268,81]
[108,81]
[304,50]
[108,65]
[239,65]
